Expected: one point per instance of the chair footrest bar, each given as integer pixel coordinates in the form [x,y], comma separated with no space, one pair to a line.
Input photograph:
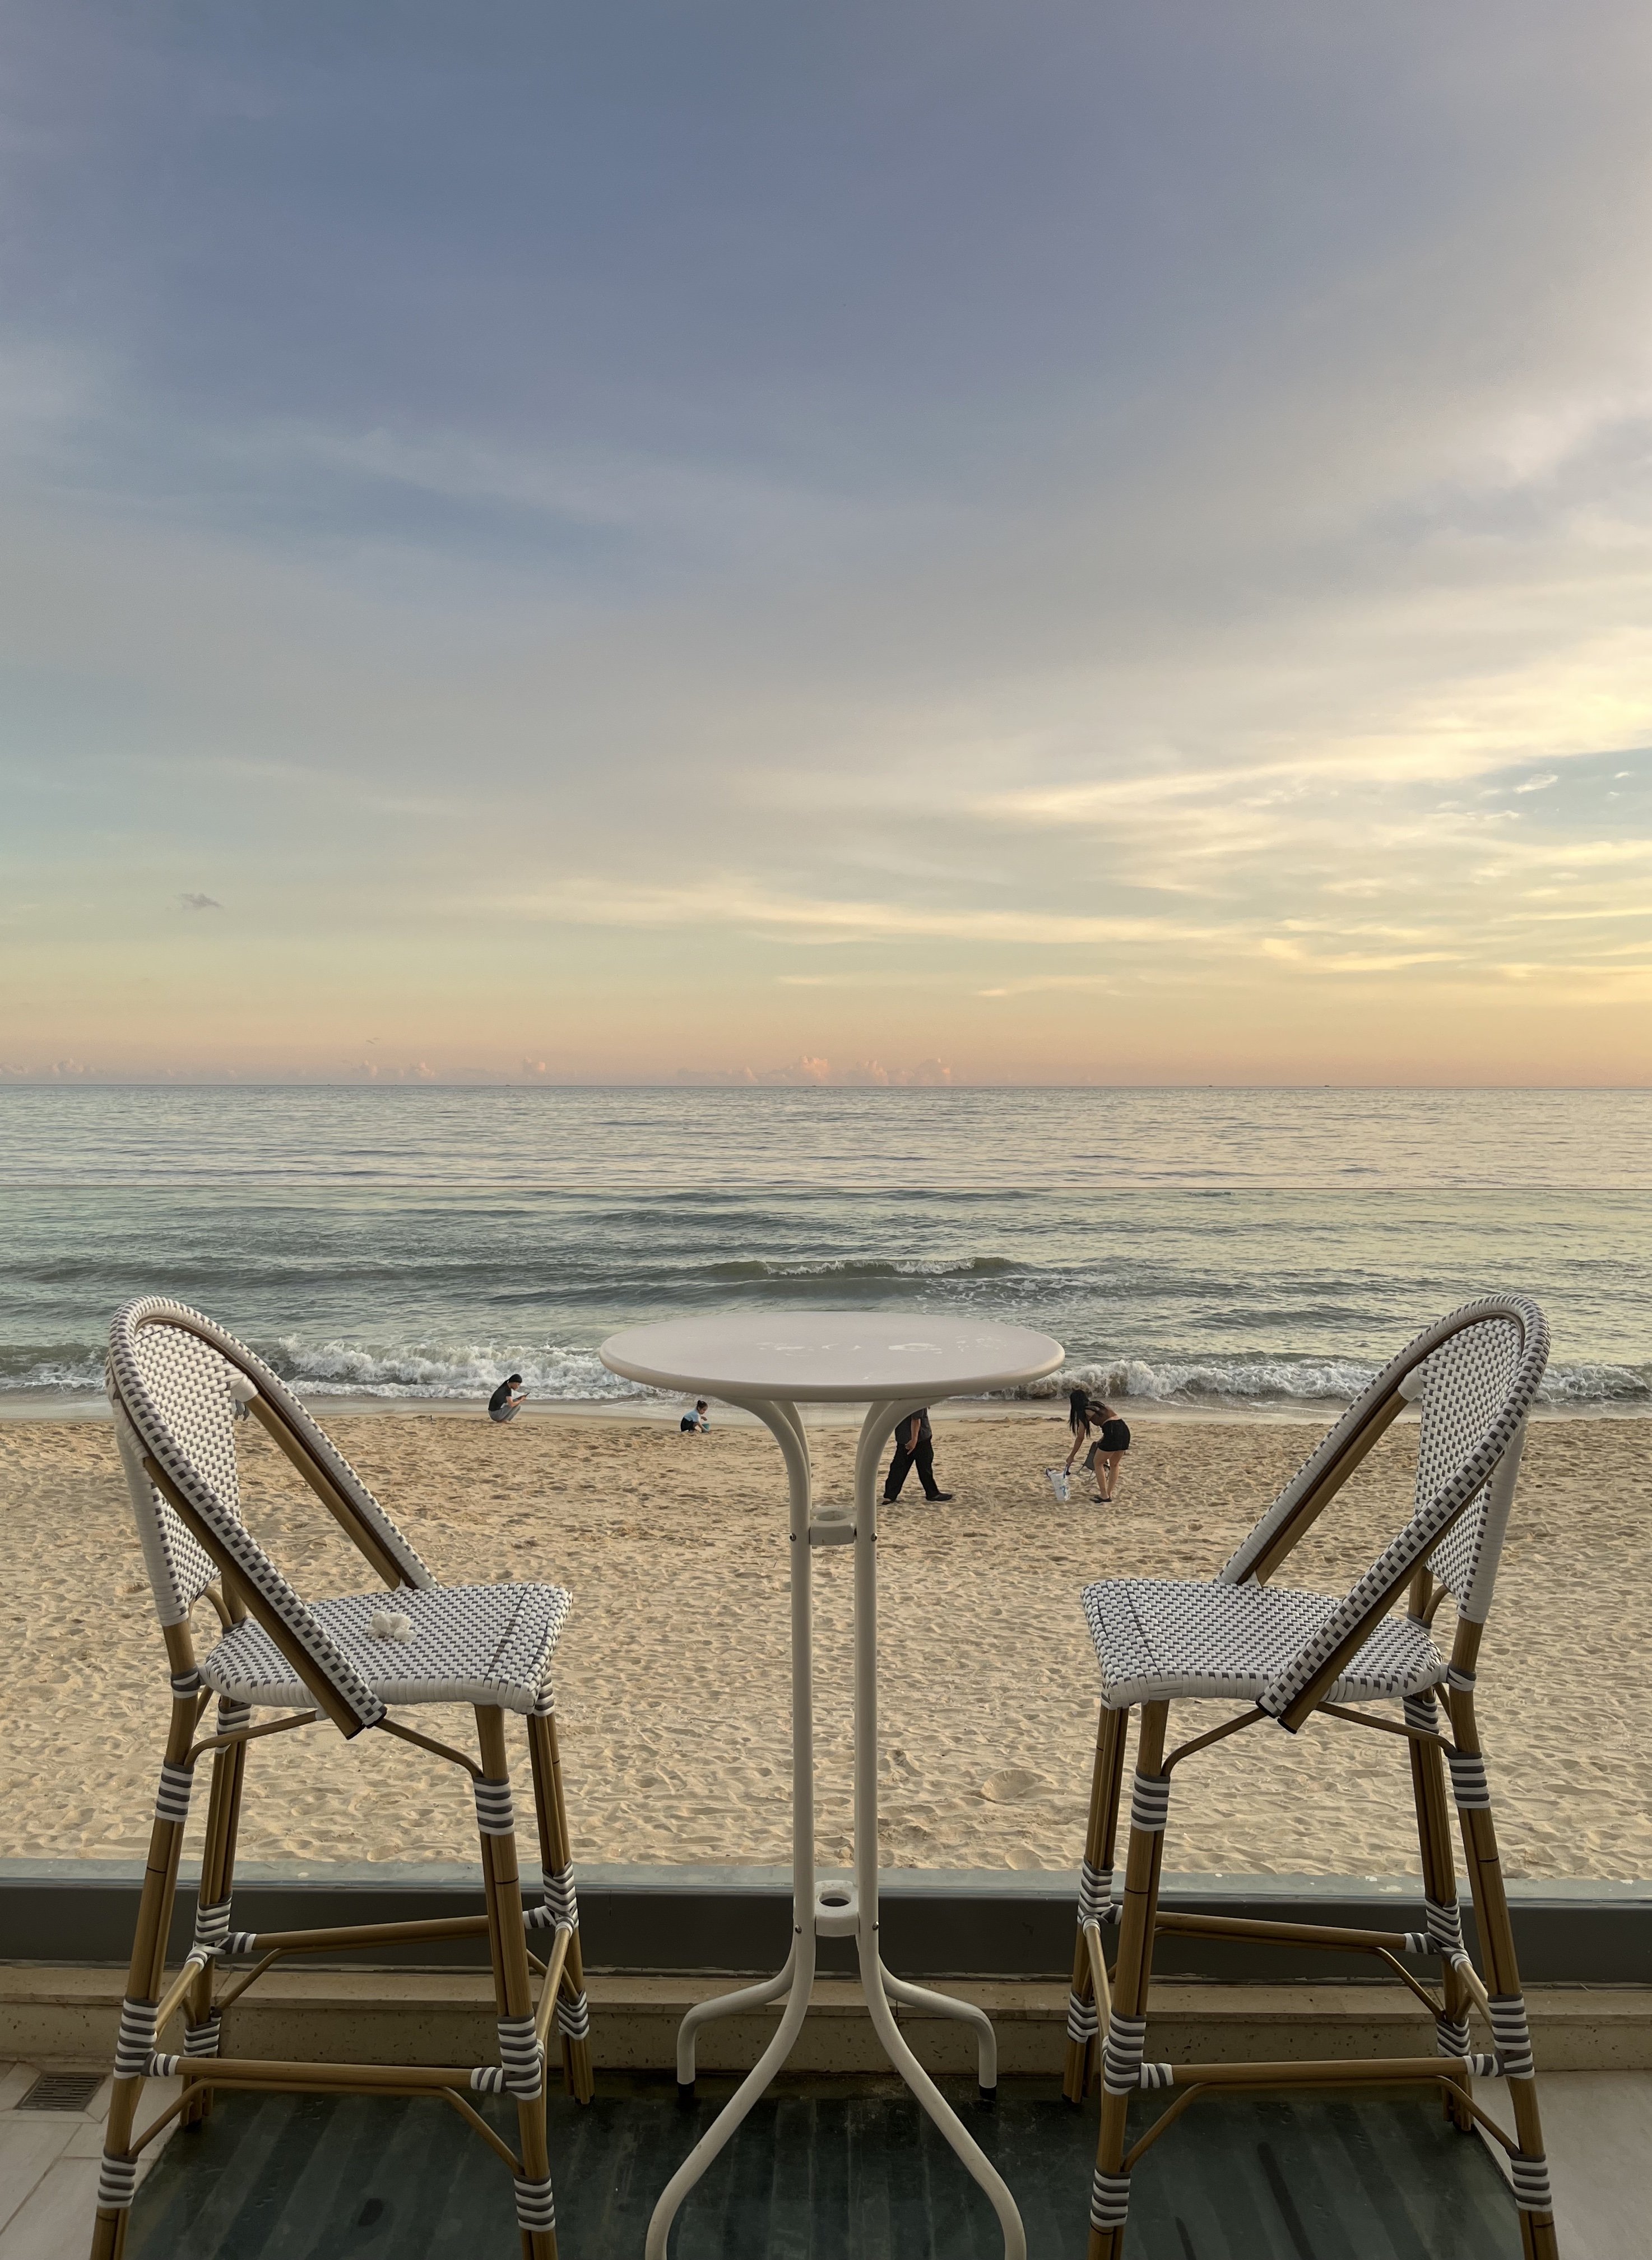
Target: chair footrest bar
[368,1933]
[249,2071]
[1332,1938]
[1324,2071]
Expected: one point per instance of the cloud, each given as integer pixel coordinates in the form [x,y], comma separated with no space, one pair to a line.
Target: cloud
[1057,515]
[734,900]
[811,1073]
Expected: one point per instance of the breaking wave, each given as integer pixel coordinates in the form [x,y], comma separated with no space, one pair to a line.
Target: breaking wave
[568,1374]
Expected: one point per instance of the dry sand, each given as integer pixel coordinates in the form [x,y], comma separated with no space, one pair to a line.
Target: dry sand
[673,1676]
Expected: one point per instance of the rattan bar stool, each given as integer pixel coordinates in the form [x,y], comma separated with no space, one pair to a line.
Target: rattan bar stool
[1293,1657]
[178,1383]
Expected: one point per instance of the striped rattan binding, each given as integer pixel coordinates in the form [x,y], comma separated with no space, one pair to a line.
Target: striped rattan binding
[1296,1657]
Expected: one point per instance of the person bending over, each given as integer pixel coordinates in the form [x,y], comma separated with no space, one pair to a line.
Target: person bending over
[914,1448]
[1082,1417]
[1110,1446]
[507,1399]
[695,1423]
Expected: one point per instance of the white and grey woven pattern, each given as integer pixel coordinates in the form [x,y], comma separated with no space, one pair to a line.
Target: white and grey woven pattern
[1530,2177]
[1469,1785]
[1163,1638]
[135,2038]
[1372,1593]
[1150,1803]
[1095,1894]
[1121,2047]
[561,1897]
[573,2016]
[520,2057]
[194,1326]
[1466,1384]
[180,1569]
[158,1383]
[116,2182]
[1083,2019]
[172,1798]
[1492,1309]
[535,2208]
[1326,1454]
[470,1644]
[1511,2034]
[1444,1920]
[1108,2200]
[212,1927]
[496,1812]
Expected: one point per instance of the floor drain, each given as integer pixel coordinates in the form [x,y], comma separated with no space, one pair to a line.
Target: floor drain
[62,2091]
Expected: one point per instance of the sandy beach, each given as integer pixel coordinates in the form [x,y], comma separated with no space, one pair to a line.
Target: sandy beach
[672,1678]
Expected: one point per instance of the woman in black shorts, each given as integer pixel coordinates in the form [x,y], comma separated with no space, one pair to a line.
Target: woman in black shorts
[1113,1443]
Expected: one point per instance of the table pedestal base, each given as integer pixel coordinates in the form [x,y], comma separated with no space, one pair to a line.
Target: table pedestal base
[837,1910]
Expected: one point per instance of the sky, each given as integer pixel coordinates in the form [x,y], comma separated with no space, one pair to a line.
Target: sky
[1027,542]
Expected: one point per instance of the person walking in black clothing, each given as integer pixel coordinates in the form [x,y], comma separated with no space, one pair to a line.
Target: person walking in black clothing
[914,1448]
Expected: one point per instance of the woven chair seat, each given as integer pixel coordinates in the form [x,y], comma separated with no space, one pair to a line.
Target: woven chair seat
[1160,1638]
[469,1644]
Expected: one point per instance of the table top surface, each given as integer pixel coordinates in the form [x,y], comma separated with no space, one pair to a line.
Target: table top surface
[842,1357]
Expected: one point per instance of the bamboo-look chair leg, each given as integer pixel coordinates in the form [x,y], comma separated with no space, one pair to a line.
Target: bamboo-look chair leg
[556,1864]
[212,1902]
[118,2177]
[519,2052]
[1095,1891]
[1126,2028]
[1452,2035]
[1510,2030]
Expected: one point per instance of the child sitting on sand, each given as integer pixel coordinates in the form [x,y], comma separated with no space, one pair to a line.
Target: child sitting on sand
[695,1423]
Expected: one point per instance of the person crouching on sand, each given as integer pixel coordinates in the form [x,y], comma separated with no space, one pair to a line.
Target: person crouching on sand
[507,1399]
[695,1423]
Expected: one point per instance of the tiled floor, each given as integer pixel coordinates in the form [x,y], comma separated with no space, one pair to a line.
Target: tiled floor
[1598,2127]
[49,2164]
[1597,2131]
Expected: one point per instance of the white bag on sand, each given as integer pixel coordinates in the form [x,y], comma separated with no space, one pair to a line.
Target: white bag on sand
[1058,1483]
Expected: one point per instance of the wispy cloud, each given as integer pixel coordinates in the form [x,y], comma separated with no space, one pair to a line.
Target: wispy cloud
[1059,522]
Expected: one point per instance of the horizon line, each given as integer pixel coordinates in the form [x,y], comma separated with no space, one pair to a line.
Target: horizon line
[679,1086]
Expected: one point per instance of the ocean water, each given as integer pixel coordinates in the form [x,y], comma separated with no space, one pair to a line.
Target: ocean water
[1217,1247]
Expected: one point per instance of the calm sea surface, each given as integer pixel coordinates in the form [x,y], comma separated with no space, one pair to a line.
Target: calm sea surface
[1189,1247]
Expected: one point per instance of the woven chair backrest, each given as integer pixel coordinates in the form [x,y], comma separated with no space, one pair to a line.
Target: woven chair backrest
[1475,1374]
[1467,1371]
[173,1378]
[1470,1386]
[187,1384]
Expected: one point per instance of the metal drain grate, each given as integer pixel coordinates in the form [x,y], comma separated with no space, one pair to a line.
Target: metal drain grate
[62,2091]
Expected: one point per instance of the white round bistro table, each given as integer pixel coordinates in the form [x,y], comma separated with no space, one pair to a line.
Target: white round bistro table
[769,1365]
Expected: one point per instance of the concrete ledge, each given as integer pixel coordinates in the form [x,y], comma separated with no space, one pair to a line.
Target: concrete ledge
[935,1922]
[70,2015]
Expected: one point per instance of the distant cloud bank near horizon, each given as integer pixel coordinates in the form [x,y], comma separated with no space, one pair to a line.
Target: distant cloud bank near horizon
[893,546]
